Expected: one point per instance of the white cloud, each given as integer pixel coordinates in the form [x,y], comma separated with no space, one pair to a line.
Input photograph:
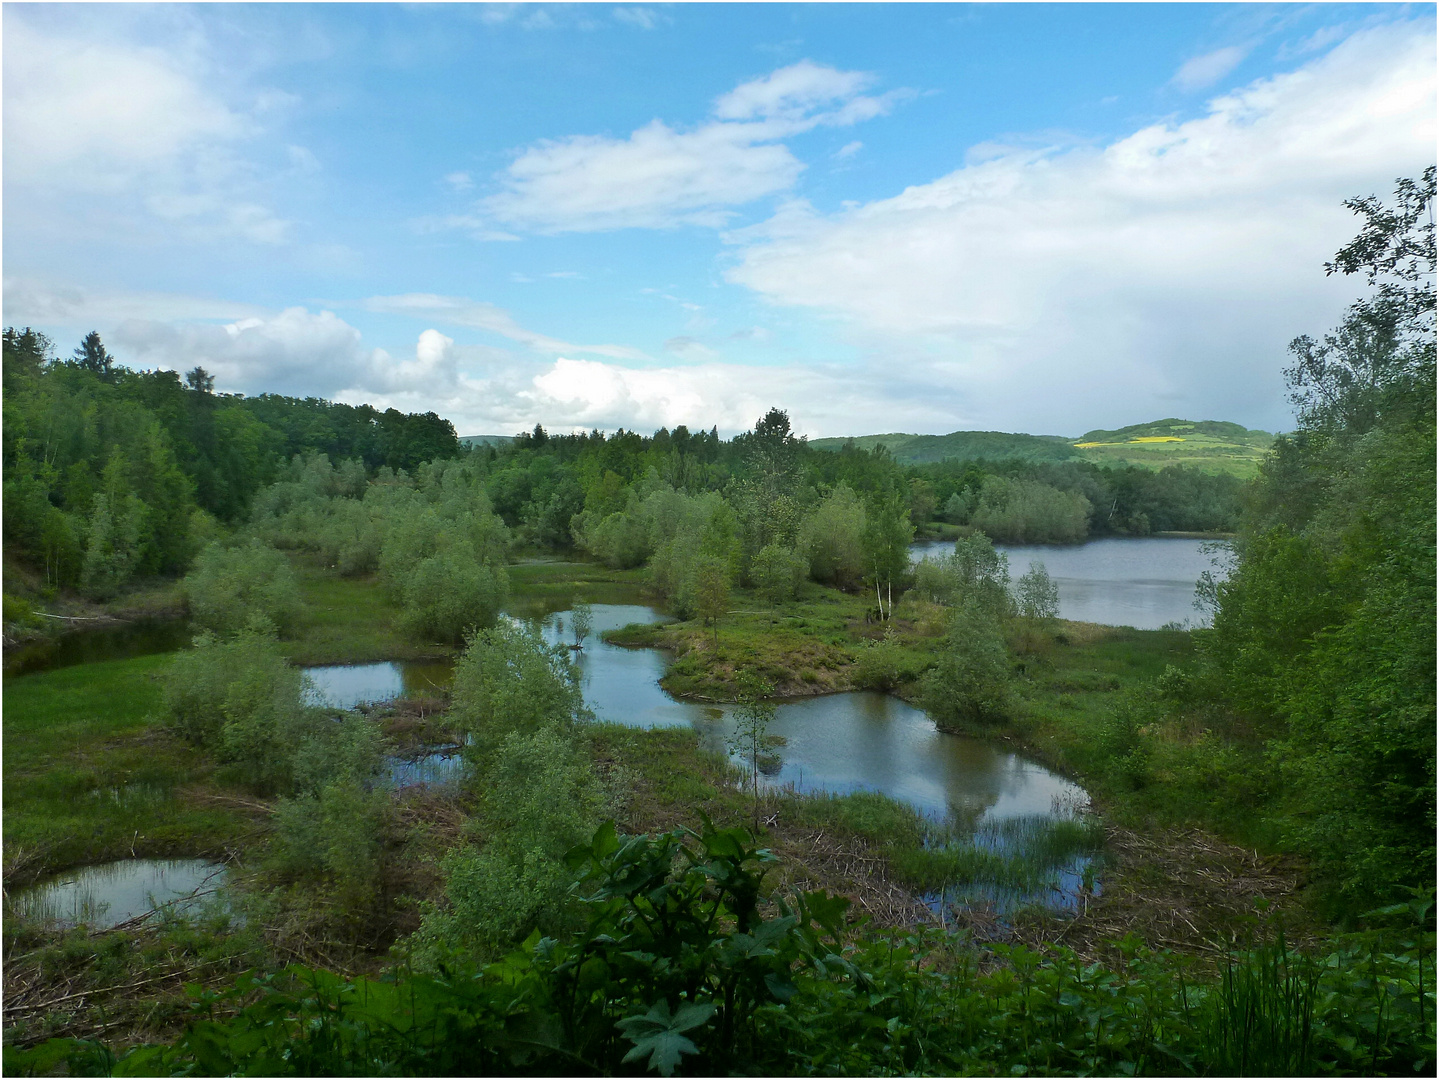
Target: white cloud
[101,121]
[294,352]
[77,112]
[792,93]
[1204,71]
[479,315]
[1164,272]
[656,178]
[460,181]
[848,150]
[32,302]
[643,17]
[589,393]
[661,177]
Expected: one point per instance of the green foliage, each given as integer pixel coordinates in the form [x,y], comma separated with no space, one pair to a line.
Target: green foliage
[1030,512]
[508,680]
[832,535]
[777,572]
[751,738]
[242,684]
[974,573]
[971,678]
[333,837]
[886,665]
[156,450]
[1324,629]
[887,536]
[676,965]
[234,587]
[711,591]
[582,621]
[1036,596]
[539,797]
[450,594]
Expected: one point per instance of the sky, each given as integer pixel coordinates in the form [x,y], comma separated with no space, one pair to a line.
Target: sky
[920,218]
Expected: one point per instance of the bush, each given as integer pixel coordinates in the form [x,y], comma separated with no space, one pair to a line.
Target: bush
[450,595]
[508,680]
[230,588]
[778,572]
[970,681]
[240,699]
[540,798]
[974,573]
[1036,596]
[833,539]
[1029,512]
[336,834]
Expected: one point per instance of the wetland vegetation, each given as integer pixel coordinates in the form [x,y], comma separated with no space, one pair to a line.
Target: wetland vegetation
[608,812]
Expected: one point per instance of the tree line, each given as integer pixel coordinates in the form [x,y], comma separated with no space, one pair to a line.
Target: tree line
[112,473]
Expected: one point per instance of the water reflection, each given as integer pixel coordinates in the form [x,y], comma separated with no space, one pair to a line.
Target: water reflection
[141,638]
[867,741]
[1144,582]
[109,894]
[347,686]
[859,741]
[431,770]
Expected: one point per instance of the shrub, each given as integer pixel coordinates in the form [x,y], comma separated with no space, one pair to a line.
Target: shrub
[509,680]
[970,681]
[833,539]
[450,595]
[1029,512]
[1036,596]
[778,572]
[243,701]
[230,588]
[540,798]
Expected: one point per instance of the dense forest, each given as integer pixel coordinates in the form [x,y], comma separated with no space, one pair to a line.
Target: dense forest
[112,473]
[516,928]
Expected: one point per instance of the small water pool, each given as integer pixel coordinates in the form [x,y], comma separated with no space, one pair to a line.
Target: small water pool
[108,894]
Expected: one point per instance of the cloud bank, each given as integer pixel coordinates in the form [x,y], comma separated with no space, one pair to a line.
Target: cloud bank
[1170,266]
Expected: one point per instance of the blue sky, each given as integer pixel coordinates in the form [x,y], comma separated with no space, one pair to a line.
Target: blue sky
[927,218]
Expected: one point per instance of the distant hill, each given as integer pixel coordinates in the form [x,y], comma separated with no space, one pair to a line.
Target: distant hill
[963,446]
[1212,446]
[486,440]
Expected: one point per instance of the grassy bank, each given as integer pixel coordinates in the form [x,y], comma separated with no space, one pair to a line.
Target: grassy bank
[90,776]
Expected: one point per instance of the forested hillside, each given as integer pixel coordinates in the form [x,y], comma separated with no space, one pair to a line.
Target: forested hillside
[112,473]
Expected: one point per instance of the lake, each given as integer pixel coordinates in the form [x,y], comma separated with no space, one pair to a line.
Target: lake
[1143,582]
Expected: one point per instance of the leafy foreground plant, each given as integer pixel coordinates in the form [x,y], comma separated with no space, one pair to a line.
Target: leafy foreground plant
[681,968]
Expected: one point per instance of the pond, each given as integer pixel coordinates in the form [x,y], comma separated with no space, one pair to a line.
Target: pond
[120,641]
[998,806]
[1143,582]
[858,741]
[109,894]
[995,803]
[348,686]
